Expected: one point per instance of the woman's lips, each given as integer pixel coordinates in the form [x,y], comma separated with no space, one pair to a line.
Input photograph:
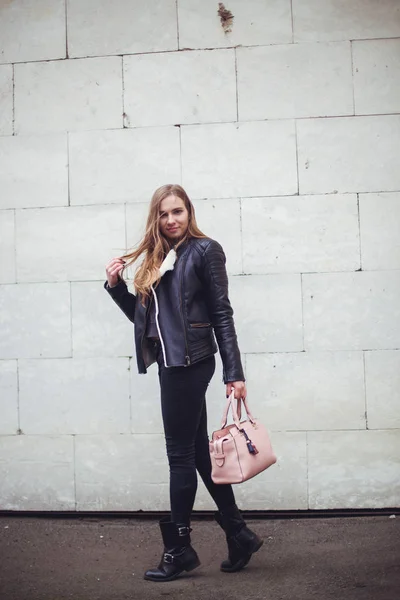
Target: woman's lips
[172,228]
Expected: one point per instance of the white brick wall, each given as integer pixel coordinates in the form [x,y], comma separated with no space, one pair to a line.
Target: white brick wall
[356,154]
[6,99]
[34,171]
[251,157]
[192,87]
[119,166]
[35,320]
[285,132]
[7,246]
[289,81]
[256,23]
[8,397]
[99,28]
[376,76]
[71,243]
[74,396]
[68,95]
[32,32]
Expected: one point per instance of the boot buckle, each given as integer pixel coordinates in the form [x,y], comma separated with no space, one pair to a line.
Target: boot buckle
[168,558]
[184,530]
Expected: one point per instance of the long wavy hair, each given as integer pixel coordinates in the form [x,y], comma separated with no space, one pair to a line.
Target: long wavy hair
[154,246]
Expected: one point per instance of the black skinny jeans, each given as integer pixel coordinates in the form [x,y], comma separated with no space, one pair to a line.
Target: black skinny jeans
[183,405]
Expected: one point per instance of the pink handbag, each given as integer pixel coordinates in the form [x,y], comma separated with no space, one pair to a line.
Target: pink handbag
[242,450]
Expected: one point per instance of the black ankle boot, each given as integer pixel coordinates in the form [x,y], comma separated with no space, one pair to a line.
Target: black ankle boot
[242,542]
[178,554]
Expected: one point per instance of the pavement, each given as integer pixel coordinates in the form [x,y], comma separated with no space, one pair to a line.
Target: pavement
[93,558]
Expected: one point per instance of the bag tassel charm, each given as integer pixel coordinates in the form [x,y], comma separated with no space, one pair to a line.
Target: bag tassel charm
[250,446]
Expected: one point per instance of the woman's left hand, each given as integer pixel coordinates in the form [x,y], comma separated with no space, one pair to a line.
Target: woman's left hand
[239,387]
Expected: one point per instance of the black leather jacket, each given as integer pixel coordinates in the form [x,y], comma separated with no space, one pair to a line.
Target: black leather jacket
[192,302]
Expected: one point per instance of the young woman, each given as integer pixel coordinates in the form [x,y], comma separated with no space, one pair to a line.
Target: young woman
[181,300]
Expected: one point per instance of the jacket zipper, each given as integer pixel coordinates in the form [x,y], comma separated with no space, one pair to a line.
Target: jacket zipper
[187,357]
[158,328]
[145,320]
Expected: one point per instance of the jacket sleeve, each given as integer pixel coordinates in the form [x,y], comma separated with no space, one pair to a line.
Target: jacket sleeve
[221,313]
[123,298]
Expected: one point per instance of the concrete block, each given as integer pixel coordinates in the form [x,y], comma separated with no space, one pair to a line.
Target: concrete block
[96,27]
[136,218]
[340,20]
[71,396]
[352,311]
[6,100]
[32,31]
[353,469]
[124,472]
[37,472]
[356,154]
[376,76]
[275,230]
[220,220]
[8,397]
[35,320]
[379,227]
[7,246]
[68,243]
[68,95]
[301,80]
[122,166]
[267,312]
[145,401]
[307,390]
[382,380]
[239,159]
[99,327]
[34,171]
[192,87]
[255,23]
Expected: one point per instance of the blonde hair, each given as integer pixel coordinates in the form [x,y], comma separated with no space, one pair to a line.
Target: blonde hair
[154,246]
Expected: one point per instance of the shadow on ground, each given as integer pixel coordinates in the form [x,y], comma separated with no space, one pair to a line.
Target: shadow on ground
[104,559]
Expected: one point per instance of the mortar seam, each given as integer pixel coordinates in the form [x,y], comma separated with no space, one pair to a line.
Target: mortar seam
[365,392]
[66,28]
[352,77]
[177,24]
[237,88]
[359,230]
[13,99]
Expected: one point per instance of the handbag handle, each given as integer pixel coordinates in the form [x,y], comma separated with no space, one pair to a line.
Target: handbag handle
[237,413]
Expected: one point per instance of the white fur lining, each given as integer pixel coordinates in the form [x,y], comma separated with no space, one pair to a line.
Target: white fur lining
[168,262]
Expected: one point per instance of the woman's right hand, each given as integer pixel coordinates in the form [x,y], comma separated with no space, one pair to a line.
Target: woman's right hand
[113,270]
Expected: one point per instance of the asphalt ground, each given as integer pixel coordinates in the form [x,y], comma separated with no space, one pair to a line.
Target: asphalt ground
[351,558]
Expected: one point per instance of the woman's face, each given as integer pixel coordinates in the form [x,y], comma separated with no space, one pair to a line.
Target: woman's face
[174,218]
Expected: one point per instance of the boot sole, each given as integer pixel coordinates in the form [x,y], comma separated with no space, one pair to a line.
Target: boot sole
[238,566]
[188,568]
